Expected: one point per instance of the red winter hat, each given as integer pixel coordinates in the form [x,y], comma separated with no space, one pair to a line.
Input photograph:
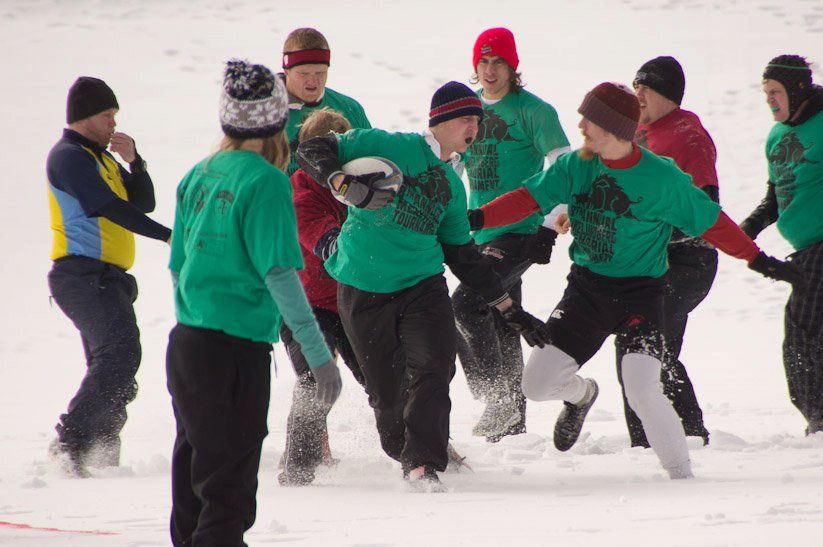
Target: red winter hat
[614,107]
[496,41]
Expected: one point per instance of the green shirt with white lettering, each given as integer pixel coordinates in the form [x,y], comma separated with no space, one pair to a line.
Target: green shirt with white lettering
[233,222]
[621,219]
[512,142]
[397,246]
[343,104]
[795,156]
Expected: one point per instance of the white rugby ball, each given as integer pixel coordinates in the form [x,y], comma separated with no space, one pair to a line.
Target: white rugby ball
[373,164]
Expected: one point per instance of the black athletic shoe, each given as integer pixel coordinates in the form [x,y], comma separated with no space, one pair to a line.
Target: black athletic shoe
[296,477]
[425,480]
[570,422]
[70,460]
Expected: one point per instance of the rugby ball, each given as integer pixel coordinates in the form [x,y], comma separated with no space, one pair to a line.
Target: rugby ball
[373,164]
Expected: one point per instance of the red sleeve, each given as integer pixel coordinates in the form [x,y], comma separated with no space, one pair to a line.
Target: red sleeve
[317,210]
[698,159]
[509,208]
[729,238]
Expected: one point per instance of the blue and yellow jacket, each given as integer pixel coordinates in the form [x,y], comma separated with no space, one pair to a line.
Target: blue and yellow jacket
[83,179]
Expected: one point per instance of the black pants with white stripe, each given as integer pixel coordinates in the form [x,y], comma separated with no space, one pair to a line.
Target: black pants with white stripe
[803,345]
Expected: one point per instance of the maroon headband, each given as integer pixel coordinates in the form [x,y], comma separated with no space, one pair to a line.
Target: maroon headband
[306,57]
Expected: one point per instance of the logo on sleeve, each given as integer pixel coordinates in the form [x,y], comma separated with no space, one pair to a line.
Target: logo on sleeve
[594,216]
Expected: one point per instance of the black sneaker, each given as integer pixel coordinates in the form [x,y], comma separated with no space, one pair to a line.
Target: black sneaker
[296,477]
[71,461]
[570,422]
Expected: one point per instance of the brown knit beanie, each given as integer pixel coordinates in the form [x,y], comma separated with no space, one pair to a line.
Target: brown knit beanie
[613,107]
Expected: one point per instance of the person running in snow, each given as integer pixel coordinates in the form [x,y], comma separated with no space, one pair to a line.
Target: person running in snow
[392,295]
[306,60]
[668,130]
[319,218]
[519,132]
[621,220]
[96,207]
[234,268]
[794,200]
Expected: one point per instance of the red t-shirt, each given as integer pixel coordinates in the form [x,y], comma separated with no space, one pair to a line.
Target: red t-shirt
[680,136]
[317,213]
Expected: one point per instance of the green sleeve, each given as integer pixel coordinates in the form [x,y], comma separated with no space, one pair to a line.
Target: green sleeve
[287,292]
[270,231]
[553,186]
[357,143]
[178,247]
[454,228]
[543,127]
[683,205]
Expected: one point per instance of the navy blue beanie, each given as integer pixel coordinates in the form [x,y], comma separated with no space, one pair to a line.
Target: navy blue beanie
[453,100]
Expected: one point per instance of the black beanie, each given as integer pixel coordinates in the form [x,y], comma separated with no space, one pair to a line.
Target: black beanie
[664,75]
[794,73]
[88,96]
[453,100]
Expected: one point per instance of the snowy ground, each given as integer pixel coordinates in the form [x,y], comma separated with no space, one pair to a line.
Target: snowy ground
[759,483]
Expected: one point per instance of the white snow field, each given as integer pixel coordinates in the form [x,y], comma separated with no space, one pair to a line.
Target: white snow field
[760,482]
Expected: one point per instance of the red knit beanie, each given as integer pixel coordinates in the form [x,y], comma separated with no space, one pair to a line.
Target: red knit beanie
[614,107]
[496,41]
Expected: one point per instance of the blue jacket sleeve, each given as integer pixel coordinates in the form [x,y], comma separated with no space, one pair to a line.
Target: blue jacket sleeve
[284,286]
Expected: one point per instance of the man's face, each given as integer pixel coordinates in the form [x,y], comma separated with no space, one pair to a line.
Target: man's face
[595,138]
[307,82]
[100,127]
[777,99]
[457,134]
[494,75]
[653,105]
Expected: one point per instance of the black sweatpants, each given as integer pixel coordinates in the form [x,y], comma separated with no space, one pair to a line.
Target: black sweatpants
[306,426]
[405,344]
[803,344]
[220,387]
[692,270]
[98,298]
[489,350]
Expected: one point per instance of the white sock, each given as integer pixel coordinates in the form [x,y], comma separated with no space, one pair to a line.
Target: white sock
[551,375]
[641,380]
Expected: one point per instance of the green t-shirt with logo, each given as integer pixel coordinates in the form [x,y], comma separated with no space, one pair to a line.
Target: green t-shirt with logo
[512,142]
[397,246]
[795,156]
[621,219]
[233,222]
[346,106]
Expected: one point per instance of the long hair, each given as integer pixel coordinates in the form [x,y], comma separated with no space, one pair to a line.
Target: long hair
[275,148]
[515,81]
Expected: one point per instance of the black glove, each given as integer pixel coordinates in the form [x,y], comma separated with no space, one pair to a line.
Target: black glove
[329,384]
[540,249]
[360,191]
[532,329]
[476,219]
[769,266]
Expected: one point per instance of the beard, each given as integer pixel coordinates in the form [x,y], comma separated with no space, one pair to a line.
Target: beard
[586,153]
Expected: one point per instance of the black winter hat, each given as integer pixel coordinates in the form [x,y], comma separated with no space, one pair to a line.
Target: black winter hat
[794,73]
[453,100]
[88,96]
[254,103]
[664,75]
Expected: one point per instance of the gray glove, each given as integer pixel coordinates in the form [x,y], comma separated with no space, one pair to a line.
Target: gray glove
[329,384]
[360,191]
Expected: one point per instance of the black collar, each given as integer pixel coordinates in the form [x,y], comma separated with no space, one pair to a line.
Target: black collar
[812,106]
[74,136]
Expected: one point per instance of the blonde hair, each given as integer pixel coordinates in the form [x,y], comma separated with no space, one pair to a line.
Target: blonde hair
[305,38]
[275,148]
[321,122]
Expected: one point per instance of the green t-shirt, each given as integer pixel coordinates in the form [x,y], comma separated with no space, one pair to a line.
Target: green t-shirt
[514,137]
[795,156]
[346,106]
[234,220]
[621,219]
[395,247]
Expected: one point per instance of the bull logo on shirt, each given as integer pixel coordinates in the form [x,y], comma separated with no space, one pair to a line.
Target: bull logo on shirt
[606,195]
[483,161]
[594,215]
[786,156]
[423,200]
